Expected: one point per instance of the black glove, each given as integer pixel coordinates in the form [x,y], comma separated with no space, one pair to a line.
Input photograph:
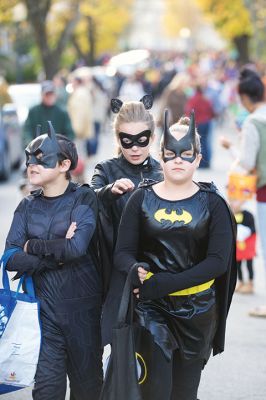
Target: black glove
[135,277]
[158,286]
[22,262]
[149,289]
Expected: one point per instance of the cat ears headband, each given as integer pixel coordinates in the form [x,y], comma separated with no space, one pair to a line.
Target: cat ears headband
[147,101]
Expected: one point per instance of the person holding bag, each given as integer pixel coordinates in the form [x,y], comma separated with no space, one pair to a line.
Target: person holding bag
[251,153]
[55,228]
[186,233]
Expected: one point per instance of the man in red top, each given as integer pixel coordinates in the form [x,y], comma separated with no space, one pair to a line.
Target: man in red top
[204,114]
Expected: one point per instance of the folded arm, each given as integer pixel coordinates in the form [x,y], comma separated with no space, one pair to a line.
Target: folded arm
[66,249]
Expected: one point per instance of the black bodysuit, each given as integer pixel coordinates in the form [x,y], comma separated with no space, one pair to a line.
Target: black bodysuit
[106,173]
[188,244]
[110,210]
[68,285]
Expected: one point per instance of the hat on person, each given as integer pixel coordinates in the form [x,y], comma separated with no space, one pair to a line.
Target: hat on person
[48,87]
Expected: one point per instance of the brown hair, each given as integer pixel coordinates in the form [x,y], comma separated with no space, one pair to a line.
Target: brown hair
[133,111]
[68,150]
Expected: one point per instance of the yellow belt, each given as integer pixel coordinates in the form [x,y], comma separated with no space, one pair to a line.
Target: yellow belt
[188,291]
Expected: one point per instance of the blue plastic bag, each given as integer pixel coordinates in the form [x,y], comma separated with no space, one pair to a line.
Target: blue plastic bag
[7,302]
[20,333]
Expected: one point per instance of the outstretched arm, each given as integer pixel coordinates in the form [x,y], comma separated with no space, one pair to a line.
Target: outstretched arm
[109,191]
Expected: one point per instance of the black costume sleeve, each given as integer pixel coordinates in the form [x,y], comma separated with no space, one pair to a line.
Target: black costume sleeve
[62,250]
[128,235]
[29,264]
[102,186]
[163,283]
[17,237]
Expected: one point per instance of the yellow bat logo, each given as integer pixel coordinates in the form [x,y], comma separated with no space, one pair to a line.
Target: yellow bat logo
[161,215]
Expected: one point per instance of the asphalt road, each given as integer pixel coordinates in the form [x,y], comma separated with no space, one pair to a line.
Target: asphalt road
[240,372]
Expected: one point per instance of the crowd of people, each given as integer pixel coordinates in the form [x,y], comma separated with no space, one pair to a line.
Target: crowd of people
[182,238]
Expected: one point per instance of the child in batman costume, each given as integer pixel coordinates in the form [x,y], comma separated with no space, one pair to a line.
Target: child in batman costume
[186,233]
[55,229]
[114,181]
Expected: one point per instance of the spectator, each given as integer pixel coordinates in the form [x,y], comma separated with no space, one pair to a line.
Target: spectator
[132,88]
[252,153]
[47,110]
[204,114]
[61,93]
[253,149]
[174,98]
[100,104]
[80,111]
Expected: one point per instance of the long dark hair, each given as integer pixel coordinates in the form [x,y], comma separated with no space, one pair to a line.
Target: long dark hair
[251,85]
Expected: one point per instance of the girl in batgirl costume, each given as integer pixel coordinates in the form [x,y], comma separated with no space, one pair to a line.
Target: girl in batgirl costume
[185,232]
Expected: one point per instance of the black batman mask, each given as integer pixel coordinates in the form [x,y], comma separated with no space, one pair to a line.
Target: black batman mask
[179,146]
[44,149]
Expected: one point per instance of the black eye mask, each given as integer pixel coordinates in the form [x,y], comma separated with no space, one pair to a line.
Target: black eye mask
[187,143]
[134,140]
[45,144]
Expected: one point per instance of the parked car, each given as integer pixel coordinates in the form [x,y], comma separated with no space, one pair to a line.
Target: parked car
[10,140]
[24,96]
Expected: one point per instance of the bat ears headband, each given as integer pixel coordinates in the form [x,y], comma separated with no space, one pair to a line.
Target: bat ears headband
[147,101]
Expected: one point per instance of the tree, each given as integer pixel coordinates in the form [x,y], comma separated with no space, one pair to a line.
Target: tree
[232,19]
[90,27]
[257,11]
[52,22]
[177,16]
[52,34]
[101,25]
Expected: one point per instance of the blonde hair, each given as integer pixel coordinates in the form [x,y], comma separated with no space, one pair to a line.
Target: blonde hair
[182,126]
[133,111]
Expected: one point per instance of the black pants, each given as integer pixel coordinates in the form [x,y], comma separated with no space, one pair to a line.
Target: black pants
[70,346]
[249,267]
[182,384]
[186,378]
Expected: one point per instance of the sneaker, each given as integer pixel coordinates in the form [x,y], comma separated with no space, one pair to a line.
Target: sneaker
[259,311]
[247,288]
[239,286]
